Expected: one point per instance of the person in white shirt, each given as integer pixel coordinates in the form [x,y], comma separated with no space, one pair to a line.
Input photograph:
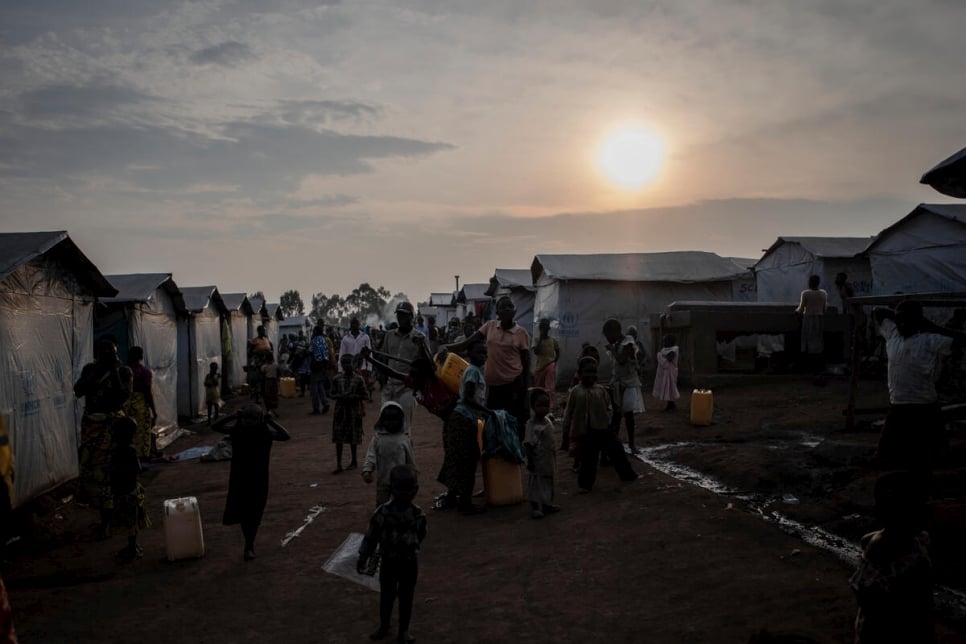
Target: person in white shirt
[352,344]
[812,309]
[914,432]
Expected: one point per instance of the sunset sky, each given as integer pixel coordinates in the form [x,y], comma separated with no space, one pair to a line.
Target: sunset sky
[268,145]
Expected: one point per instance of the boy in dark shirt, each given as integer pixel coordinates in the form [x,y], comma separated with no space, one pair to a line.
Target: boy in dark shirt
[397,528]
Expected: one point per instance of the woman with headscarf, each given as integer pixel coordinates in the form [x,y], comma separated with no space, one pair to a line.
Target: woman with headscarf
[104,392]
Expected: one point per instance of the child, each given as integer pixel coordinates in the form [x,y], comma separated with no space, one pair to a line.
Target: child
[252,435]
[348,390]
[587,421]
[625,381]
[893,585]
[541,458]
[387,449]
[128,493]
[587,350]
[213,391]
[666,379]
[397,528]
[270,383]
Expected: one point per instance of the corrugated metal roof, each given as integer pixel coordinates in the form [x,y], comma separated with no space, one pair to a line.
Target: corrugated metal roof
[951,211]
[16,249]
[677,266]
[139,287]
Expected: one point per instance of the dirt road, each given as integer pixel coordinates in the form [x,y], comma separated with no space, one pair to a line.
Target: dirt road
[657,560]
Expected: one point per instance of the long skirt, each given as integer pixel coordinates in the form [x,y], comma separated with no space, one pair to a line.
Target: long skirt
[540,488]
[813,334]
[461,453]
[546,379]
[94,460]
[666,383]
[136,407]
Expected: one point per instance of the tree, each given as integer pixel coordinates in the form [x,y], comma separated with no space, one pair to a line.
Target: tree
[291,304]
[257,295]
[365,301]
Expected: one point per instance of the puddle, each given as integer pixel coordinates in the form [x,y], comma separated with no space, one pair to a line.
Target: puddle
[950,603]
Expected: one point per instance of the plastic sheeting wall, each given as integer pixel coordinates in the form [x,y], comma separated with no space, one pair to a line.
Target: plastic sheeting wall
[239,348]
[578,309]
[523,302]
[199,344]
[154,327]
[46,331]
[784,273]
[925,254]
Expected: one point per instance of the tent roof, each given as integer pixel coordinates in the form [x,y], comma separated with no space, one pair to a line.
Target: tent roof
[275,311]
[677,266]
[16,249]
[441,299]
[948,176]
[139,287]
[511,278]
[238,302]
[746,263]
[471,292]
[824,247]
[197,298]
[953,212]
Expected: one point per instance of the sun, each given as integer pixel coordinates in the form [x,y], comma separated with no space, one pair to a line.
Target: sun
[631,156]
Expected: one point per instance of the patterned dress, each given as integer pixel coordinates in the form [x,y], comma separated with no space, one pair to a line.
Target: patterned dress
[348,391]
[137,408]
[104,395]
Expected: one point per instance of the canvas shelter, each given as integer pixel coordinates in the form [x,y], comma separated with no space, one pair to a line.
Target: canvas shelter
[445,305]
[272,322]
[472,298]
[47,293]
[949,176]
[783,271]
[292,326]
[199,344]
[517,283]
[579,292]
[923,252]
[146,312]
[240,321]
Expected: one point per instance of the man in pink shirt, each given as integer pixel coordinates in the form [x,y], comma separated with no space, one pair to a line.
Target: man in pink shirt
[507,370]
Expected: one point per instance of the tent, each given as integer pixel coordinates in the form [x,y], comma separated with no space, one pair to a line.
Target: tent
[272,322]
[146,312]
[517,283]
[291,326]
[783,271]
[47,294]
[579,292]
[240,317]
[949,176]
[199,344]
[445,305]
[472,298]
[923,252]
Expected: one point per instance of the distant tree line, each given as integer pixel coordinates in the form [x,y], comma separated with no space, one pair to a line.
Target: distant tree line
[364,302]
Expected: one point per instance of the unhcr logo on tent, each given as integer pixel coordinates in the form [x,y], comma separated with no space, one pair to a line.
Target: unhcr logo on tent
[569,327]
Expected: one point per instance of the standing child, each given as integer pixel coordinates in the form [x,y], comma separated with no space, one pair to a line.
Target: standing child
[625,380]
[893,585]
[270,383]
[666,379]
[128,493]
[213,392]
[587,421]
[541,458]
[348,390]
[387,449]
[397,529]
[251,437]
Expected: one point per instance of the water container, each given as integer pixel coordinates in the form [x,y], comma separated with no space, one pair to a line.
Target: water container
[702,407]
[286,387]
[451,371]
[183,536]
[503,481]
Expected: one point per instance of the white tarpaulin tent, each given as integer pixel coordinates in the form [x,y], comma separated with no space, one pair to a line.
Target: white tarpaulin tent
[199,344]
[923,252]
[949,176]
[445,305]
[783,271]
[472,299]
[47,293]
[517,283]
[240,316]
[579,292]
[272,322]
[145,313]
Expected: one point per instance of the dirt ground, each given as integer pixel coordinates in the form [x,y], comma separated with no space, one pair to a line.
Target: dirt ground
[658,560]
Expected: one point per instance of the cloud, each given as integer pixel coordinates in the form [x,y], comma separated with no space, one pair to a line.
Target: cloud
[304,112]
[227,54]
[94,100]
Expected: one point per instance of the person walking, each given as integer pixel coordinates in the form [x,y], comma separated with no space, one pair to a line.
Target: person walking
[402,346]
[352,345]
[319,367]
